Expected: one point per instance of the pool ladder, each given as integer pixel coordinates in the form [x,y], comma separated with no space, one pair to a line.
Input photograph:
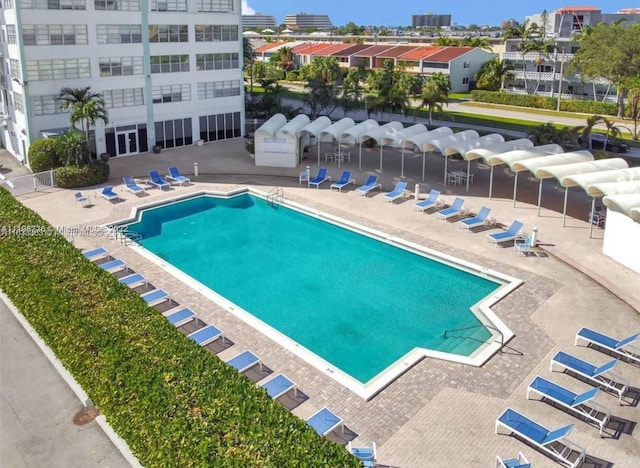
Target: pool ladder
[127,237]
[275,196]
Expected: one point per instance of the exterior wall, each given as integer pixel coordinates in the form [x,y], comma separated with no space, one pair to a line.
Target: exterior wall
[304,21]
[258,21]
[430,21]
[621,240]
[28,126]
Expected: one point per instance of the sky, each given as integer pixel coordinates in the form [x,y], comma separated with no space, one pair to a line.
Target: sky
[398,12]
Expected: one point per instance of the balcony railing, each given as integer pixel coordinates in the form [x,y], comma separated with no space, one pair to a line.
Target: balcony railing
[564,96]
[534,75]
[534,56]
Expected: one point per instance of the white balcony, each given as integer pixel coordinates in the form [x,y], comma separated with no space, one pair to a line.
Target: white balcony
[534,56]
[534,75]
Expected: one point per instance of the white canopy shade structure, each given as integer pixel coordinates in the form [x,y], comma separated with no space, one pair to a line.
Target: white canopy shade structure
[601,189]
[627,203]
[421,139]
[250,33]
[273,148]
[533,164]
[463,147]
[378,133]
[441,143]
[290,130]
[512,156]
[497,148]
[564,170]
[354,134]
[590,178]
[272,125]
[268,31]
[334,131]
[397,139]
[314,128]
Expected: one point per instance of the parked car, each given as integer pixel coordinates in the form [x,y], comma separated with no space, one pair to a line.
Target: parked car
[613,145]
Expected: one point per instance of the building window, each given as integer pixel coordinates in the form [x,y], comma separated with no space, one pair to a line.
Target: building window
[123,97]
[18,102]
[168,33]
[435,65]
[213,33]
[220,126]
[168,5]
[54,34]
[466,64]
[218,89]
[12,37]
[46,105]
[465,80]
[223,61]
[171,93]
[14,69]
[7,4]
[120,66]
[117,5]
[39,70]
[174,133]
[119,33]
[215,6]
[169,63]
[53,4]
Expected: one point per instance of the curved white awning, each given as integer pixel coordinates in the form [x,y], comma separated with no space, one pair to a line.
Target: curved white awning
[497,148]
[461,147]
[397,138]
[423,138]
[379,132]
[352,135]
[612,175]
[292,127]
[533,164]
[563,170]
[628,204]
[335,130]
[272,125]
[441,143]
[315,127]
[601,189]
[510,157]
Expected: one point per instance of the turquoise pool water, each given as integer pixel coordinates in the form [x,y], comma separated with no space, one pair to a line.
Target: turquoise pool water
[356,302]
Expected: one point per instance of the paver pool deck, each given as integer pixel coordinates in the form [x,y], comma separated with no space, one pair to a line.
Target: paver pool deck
[438,413]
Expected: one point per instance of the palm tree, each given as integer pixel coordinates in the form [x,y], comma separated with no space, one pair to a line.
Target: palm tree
[492,74]
[586,130]
[433,96]
[524,32]
[283,58]
[86,107]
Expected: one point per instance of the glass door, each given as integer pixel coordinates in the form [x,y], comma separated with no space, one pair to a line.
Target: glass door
[127,142]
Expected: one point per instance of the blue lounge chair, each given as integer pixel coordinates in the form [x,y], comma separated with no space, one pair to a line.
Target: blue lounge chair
[572,401]
[344,181]
[158,181]
[524,245]
[455,209]
[510,234]
[601,376]
[367,455]
[622,348]
[325,422]
[397,192]
[174,174]
[155,296]
[206,335]
[81,199]
[432,200]
[323,176]
[551,442]
[108,194]
[244,361]
[113,265]
[131,185]
[519,462]
[278,386]
[182,316]
[478,220]
[372,183]
[96,254]
[134,280]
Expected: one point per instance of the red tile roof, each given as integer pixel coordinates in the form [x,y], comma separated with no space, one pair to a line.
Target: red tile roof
[571,9]
[350,50]
[311,47]
[373,51]
[397,51]
[333,48]
[269,46]
[420,53]
[447,54]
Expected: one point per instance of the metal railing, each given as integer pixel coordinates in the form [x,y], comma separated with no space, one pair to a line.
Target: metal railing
[275,196]
[29,183]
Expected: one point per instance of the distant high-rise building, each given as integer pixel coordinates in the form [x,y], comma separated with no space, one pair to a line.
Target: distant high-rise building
[306,21]
[429,20]
[258,21]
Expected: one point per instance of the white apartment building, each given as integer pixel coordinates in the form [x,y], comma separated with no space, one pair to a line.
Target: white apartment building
[170,71]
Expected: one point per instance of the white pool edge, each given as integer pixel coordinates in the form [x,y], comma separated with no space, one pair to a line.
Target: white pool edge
[501,334]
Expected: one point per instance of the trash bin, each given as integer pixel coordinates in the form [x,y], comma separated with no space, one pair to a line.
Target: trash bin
[156,149]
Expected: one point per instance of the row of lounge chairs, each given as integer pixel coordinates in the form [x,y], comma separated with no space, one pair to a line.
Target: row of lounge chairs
[582,405]
[323,421]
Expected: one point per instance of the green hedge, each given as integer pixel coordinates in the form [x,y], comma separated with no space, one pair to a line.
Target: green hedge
[174,403]
[44,155]
[548,103]
[82,176]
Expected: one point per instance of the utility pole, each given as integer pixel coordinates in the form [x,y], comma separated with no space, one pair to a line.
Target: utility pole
[560,81]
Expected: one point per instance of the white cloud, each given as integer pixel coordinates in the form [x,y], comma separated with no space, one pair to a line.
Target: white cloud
[246,9]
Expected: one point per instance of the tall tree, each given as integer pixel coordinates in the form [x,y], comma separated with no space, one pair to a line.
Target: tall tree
[87,108]
[434,94]
[492,74]
[525,33]
[353,92]
[586,130]
[283,58]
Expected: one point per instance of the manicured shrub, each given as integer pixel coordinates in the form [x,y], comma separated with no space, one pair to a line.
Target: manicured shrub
[44,155]
[175,403]
[82,176]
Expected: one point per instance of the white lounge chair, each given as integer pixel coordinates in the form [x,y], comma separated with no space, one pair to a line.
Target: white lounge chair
[244,361]
[345,180]
[372,183]
[432,200]
[454,210]
[113,266]
[325,422]
[523,246]
[510,234]
[553,443]
[398,192]
[278,386]
[478,220]
[182,316]
[131,185]
[519,462]
[134,280]
[108,194]
[622,348]
[572,401]
[322,176]
[95,254]
[174,175]
[157,180]
[205,335]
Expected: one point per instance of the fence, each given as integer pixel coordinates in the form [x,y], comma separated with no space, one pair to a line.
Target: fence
[29,183]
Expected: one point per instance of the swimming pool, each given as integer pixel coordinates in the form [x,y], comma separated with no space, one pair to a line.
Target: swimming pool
[360,309]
